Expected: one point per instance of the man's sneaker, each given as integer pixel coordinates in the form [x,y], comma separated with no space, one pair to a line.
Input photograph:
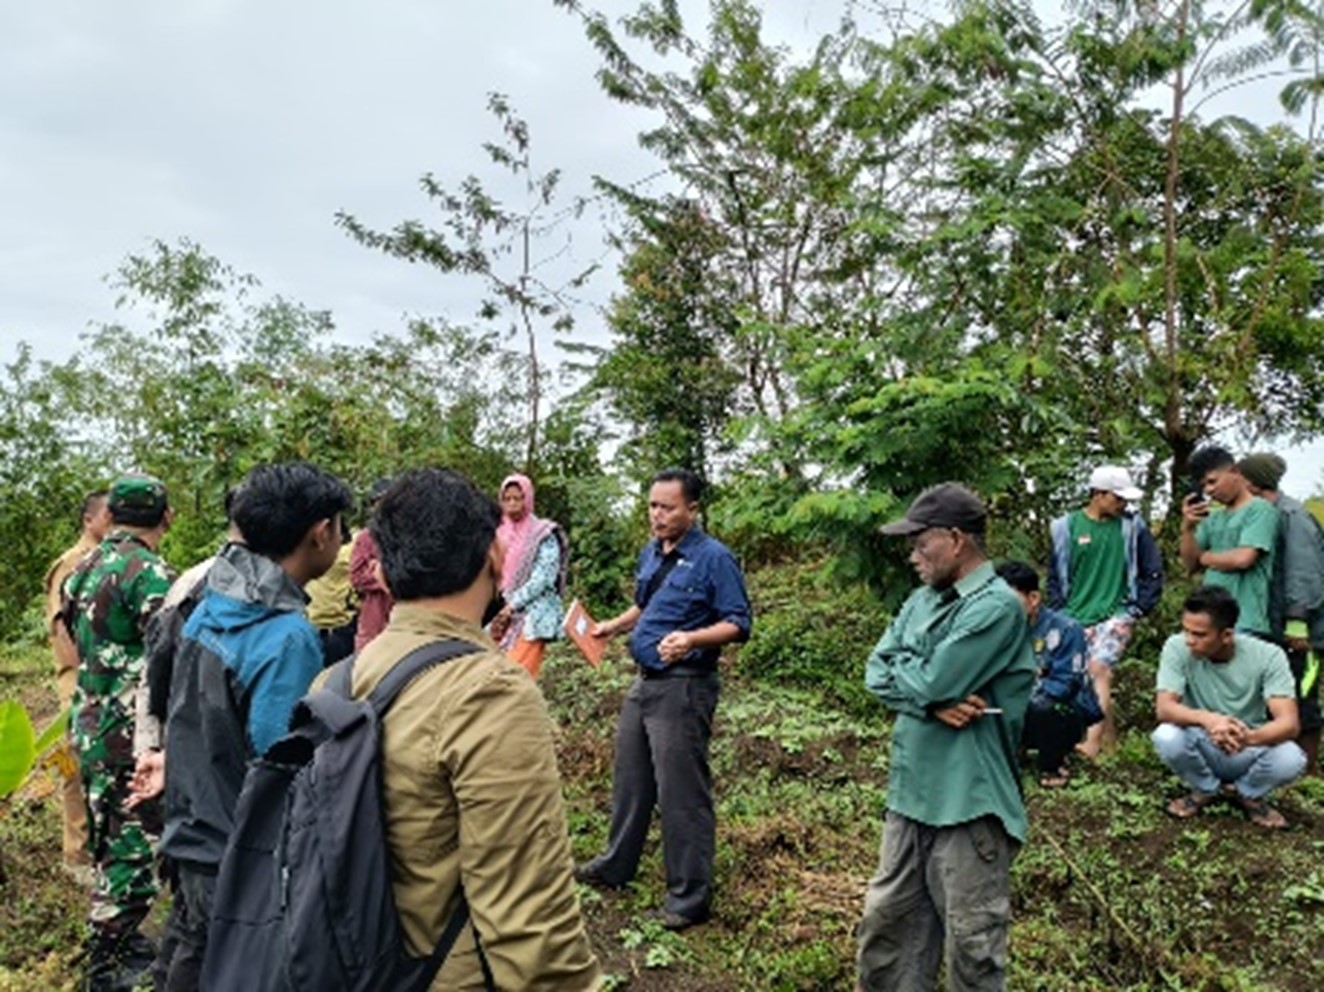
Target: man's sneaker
[588,874]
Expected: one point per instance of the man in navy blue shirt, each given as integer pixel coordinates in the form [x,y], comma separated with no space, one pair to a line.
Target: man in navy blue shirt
[689,601]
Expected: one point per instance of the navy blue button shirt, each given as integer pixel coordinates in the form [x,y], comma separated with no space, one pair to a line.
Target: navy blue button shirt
[704,587]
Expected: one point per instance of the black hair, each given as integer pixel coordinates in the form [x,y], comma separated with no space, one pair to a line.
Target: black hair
[1216,603]
[276,505]
[690,484]
[1020,576]
[90,502]
[1208,459]
[434,529]
[227,503]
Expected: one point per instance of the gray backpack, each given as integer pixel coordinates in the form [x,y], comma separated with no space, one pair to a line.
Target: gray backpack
[304,899]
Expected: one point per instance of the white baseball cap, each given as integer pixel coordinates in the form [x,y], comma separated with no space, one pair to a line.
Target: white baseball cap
[1114,479]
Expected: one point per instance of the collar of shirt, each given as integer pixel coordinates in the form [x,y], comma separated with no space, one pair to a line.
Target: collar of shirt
[975,580]
[411,618]
[686,544]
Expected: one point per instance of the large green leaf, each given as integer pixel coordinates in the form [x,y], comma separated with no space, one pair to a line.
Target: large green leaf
[52,735]
[16,746]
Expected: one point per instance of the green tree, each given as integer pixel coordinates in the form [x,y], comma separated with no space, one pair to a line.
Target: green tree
[509,249]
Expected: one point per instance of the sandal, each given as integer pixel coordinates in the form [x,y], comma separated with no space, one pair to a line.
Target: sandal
[1055,780]
[1185,807]
[1261,813]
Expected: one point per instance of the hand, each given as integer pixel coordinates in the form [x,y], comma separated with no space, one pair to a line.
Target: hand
[501,622]
[1228,734]
[1193,509]
[148,780]
[603,630]
[962,714]
[675,646]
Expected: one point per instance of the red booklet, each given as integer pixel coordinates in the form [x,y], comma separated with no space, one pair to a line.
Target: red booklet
[577,625]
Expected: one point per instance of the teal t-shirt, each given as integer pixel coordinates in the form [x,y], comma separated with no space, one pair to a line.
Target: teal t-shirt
[1255,525]
[1098,568]
[1240,687]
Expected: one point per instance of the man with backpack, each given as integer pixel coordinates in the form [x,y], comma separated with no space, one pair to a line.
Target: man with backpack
[1296,594]
[472,807]
[1062,703]
[246,656]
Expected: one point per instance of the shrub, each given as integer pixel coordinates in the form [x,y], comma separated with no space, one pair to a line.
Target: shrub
[812,633]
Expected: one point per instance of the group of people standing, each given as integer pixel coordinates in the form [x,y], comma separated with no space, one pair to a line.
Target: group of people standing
[220,656]
[977,666]
[971,685]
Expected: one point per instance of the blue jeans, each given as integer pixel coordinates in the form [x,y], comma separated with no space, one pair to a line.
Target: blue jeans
[1198,762]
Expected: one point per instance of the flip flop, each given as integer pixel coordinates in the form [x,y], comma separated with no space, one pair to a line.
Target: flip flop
[1185,807]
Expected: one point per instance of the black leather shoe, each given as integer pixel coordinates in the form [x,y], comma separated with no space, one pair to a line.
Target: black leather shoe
[676,922]
[588,874]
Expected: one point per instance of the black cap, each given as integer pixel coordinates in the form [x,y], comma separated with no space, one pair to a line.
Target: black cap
[946,505]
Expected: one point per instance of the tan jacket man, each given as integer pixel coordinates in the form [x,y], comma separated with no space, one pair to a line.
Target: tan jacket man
[95,517]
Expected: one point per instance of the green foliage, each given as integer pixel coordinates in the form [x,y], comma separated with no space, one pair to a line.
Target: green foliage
[811,633]
[44,474]
[502,248]
[17,745]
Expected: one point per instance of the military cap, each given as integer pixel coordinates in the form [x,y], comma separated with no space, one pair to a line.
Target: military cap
[137,496]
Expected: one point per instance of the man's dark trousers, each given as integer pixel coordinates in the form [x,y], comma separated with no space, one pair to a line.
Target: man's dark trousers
[662,759]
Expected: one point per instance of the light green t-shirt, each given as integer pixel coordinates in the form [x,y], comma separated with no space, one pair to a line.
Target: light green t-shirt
[1098,568]
[1255,525]
[1240,687]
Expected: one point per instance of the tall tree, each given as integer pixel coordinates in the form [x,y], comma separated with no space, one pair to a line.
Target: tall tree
[511,249]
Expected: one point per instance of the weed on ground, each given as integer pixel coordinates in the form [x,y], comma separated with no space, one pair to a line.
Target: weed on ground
[1109,893]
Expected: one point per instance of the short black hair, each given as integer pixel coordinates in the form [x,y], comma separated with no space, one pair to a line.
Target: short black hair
[227,503]
[90,503]
[1208,459]
[1216,603]
[1020,576]
[434,529]
[690,484]
[276,504]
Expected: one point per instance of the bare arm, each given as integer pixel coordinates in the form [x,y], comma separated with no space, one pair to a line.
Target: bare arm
[1169,708]
[1284,724]
[1231,560]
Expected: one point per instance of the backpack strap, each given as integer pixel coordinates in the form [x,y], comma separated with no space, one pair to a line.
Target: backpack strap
[408,668]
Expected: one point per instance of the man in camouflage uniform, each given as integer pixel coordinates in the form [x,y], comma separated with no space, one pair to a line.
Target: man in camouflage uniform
[108,601]
[95,517]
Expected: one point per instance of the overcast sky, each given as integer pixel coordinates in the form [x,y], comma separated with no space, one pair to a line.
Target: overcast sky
[245,125]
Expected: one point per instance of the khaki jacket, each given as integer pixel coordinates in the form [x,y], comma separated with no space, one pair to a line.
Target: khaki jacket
[62,645]
[473,794]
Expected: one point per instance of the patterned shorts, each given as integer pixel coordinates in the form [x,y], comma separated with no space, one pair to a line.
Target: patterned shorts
[1107,639]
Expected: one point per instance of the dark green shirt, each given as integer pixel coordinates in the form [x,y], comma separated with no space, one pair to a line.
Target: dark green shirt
[943,646]
[1098,568]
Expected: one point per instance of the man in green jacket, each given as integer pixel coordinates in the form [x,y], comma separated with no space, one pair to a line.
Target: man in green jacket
[957,668]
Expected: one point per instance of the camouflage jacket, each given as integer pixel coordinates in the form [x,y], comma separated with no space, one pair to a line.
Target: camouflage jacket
[108,600]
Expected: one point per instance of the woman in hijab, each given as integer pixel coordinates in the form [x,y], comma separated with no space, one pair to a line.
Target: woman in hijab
[532,578]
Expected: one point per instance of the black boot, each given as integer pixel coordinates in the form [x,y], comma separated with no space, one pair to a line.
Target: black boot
[115,963]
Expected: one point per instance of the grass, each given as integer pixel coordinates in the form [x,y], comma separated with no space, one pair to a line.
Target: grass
[1109,893]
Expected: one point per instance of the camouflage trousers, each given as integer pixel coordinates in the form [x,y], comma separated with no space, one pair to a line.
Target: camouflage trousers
[120,840]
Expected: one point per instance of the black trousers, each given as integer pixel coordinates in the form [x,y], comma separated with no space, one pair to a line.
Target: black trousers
[1052,731]
[178,966]
[662,760]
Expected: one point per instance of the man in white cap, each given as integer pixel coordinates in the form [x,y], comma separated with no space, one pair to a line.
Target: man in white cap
[1105,571]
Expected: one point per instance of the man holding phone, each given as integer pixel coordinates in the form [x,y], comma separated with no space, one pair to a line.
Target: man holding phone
[1234,543]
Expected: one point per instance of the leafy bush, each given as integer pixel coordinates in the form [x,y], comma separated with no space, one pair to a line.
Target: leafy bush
[813,633]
